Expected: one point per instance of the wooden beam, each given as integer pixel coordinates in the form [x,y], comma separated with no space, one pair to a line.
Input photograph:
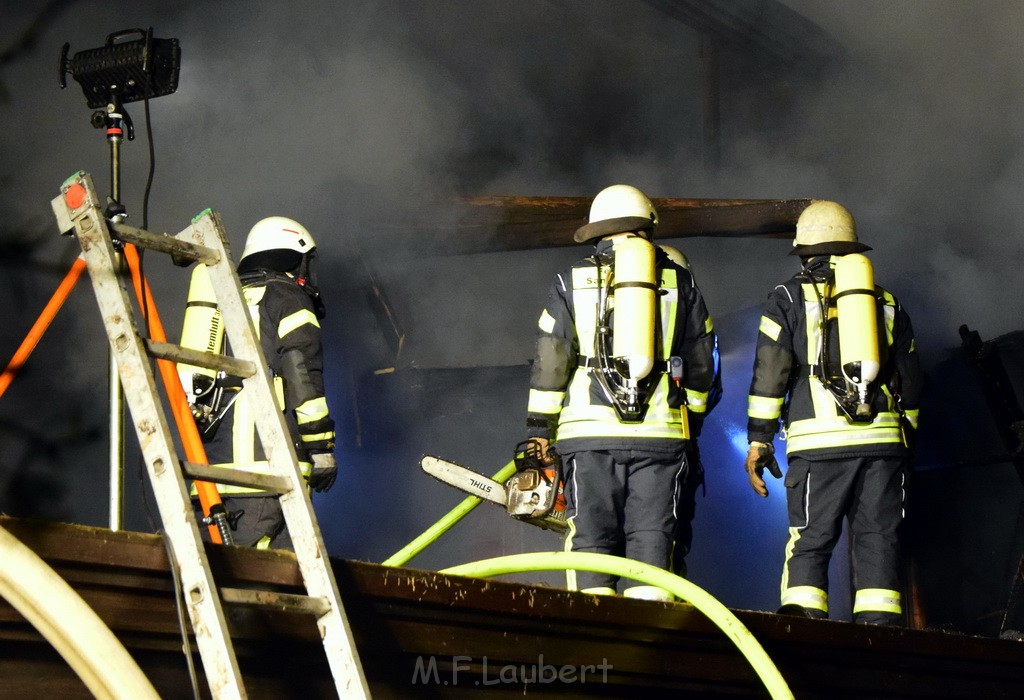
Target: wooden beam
[496,224]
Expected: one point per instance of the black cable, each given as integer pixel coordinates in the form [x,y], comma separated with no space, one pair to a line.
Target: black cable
[179,599]
[145,310]
[143,282]
[152,168]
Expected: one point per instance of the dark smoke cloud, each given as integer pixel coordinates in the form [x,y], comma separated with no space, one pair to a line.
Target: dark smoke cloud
[921,137]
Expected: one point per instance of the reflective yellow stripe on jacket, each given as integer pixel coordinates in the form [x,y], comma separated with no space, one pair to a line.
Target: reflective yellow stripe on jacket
[581,419]
[546,402]
[296,320]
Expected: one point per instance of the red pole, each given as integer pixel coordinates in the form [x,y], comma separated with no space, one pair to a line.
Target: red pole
[193,444]
[41,324]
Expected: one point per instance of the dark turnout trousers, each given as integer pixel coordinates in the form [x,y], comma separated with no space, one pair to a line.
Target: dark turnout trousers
[868,491]
[257,521]
[622,502]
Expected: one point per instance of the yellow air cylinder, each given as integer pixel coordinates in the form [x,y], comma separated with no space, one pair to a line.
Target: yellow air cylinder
[635,294]
[202,328]
[858,320]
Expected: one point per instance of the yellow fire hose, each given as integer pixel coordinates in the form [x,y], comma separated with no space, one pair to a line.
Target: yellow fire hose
[430,535]
[649,575]
[720,615]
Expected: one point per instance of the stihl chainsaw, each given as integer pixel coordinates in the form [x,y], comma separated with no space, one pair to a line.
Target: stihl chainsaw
[533,494]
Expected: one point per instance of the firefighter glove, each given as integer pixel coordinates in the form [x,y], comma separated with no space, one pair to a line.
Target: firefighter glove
[761,456]
[534,452]
[325,471]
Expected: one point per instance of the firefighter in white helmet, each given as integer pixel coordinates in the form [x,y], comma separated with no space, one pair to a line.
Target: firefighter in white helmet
[687,504]
[609,392]
[847,447]
[285,305]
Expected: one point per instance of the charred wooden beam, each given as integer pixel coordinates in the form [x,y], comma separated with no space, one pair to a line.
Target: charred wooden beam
[495,224]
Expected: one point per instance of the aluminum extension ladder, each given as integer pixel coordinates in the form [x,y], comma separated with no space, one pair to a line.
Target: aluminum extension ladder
[77,209]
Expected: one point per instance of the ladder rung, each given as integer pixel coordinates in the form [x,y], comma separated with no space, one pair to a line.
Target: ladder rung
[222,363]
[281,601]
[165,243]
[237,477]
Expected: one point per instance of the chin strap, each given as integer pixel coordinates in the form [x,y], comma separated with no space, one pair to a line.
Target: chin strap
[304,278]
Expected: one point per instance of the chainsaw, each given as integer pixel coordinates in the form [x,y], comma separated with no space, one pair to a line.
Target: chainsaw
[533,494]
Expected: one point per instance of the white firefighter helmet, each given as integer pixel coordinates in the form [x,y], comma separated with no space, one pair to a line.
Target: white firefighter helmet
[677,256]
[276,242]
[618,209]
[826,228]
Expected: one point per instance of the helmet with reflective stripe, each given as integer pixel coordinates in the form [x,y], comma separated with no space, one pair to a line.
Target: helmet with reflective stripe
[826,228]
[618,209]
[277,243]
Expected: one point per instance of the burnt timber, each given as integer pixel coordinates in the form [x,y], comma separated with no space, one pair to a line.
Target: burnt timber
[495,224]
[425,634]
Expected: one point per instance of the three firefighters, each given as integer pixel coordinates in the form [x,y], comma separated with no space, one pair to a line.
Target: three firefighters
[624,373]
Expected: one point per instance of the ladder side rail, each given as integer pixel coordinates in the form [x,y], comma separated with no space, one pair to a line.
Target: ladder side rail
[156,442]
[310,550]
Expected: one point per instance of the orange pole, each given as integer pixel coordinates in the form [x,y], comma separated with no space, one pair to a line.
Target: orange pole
[41,324]
[193,444]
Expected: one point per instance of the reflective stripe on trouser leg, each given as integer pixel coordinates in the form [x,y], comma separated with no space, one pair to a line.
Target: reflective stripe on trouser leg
[875,515]
[806,597]
[569,491]
[599,590]
[648,593]
[595,487]
[816,496]
[877,600]
[686,505]
[570,574]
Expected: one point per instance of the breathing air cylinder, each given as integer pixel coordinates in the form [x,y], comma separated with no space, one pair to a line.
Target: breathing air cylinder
[201,330]
[635,291]
[856,306]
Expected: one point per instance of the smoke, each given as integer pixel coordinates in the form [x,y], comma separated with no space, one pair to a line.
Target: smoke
[920,136]
[361,118]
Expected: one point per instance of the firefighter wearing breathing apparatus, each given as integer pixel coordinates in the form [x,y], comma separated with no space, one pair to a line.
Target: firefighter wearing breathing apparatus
[687,504]
[835,363]
[619,385]
[286,309]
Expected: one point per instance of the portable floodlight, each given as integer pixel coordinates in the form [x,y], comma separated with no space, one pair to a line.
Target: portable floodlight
[124,70]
